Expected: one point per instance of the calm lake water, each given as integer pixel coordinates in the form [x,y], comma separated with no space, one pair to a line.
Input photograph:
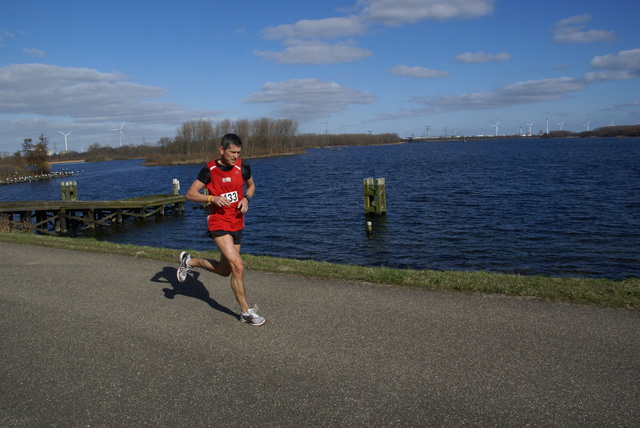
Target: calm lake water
[566,207]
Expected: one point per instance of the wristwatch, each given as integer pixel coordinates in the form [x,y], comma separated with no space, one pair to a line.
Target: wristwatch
[248,198]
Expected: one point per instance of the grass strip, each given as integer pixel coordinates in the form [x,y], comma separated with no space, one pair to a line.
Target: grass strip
[615,294]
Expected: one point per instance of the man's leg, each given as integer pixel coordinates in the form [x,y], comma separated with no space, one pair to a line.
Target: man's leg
[221,267]
[231,260]
[230,263]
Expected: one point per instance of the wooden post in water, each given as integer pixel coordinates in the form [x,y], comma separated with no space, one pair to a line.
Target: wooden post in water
[64,191]
[73,191]
[90,218]
[369,194]
[61,222]
[69,190]
[375,196]
[380,185]
[176,186]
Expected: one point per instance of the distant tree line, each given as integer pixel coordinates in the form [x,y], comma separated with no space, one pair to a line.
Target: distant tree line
[343,140]
[614,131]
[605,131]
[96,152]
[198,140]
[195,138]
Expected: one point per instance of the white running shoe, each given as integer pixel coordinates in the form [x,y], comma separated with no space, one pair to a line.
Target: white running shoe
[251,317]
[184,268]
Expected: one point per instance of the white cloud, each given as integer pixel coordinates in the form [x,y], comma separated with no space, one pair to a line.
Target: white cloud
[82,94]
[306,29]
[602,76]
[303,37]
[398,12]
[570,30]
[621,66]
[419,72]
[308,99]
[34,52]
[516,94]
[317,53]
[3,35]
[623,60]
[38,98]
[480,57]
[622,107]
[64,91]
[519,93]
[386,12]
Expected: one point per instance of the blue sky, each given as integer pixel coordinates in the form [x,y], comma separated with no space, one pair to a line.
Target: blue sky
[349,66]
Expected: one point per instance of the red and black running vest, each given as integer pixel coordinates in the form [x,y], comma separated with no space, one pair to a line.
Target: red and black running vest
[230,185]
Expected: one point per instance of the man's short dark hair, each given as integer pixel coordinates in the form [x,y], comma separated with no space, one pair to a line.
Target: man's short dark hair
[230,139]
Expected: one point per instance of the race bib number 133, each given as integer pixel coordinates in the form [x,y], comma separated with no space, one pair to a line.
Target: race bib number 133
[231,196]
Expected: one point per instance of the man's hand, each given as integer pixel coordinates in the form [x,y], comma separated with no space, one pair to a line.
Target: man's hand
[243,205]
[220,201]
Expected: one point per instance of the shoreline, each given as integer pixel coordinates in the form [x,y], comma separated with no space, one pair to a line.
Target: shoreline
[302,150]
[67,161]
[622,294]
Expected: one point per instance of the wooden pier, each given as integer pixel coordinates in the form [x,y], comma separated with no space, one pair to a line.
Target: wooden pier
[59,217]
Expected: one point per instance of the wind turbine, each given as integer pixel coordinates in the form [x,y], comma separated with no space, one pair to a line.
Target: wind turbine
[121,134]
[529,125]
[496,126]
[65,139]
[612,124]
[587,124]
[560,123]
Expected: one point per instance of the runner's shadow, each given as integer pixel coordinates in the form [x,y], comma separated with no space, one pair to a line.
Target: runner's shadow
[192,287]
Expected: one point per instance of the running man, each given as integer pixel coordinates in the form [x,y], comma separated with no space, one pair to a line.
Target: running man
[225,179]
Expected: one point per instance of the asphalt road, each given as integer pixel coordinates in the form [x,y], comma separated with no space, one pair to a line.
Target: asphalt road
[96,340]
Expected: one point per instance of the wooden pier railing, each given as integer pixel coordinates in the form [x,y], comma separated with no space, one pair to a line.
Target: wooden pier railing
[58,217]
